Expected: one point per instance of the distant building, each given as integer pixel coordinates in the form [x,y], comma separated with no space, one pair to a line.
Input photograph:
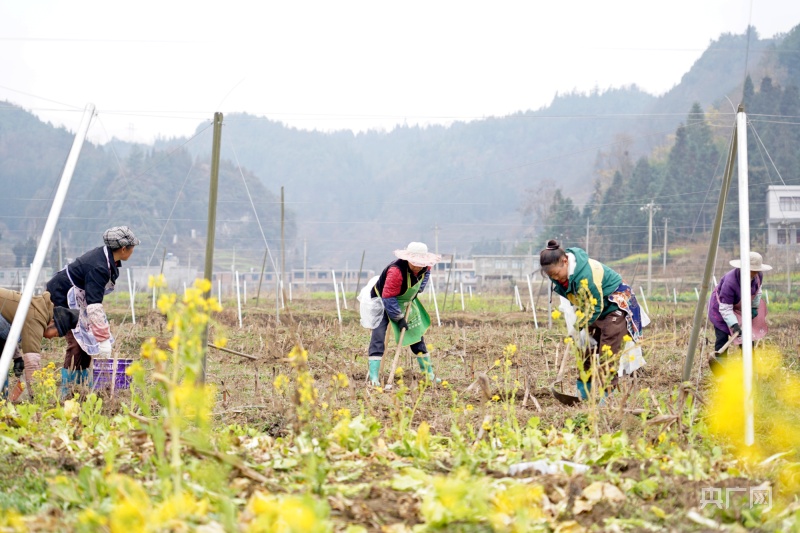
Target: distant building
[458,271]
[174,274]
[502,269]
[13,277]
[783,215]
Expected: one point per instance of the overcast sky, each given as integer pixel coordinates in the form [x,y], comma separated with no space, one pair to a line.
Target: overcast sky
[158,68]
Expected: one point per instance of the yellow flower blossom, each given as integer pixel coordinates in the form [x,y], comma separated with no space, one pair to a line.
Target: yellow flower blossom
[495,398]
[627,338]
[469,407]
[497,362]
[568,340]
[556,314]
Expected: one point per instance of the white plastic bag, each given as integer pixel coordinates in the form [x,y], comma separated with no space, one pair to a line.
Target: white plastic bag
[371,309]
[570,317]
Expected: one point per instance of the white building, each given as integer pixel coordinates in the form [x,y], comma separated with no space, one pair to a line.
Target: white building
[783,215]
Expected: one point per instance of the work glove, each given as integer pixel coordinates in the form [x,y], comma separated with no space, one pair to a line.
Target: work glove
[736,329]
[32,364]
[401,323]
[104,349]
[754,312]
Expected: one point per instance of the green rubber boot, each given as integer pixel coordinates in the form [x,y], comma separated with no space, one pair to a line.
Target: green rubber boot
[84,377]
[68,378]
[427,367]
[374,372]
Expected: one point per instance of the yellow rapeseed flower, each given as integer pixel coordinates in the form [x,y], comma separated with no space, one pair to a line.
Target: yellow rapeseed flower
[556,314]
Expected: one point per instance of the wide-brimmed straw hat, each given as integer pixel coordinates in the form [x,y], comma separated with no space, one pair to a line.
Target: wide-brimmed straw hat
[417,253]
[756,263]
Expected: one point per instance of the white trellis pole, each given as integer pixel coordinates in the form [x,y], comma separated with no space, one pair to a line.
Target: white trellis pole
[744,251]
[336,291]
[517,297]
[344,296]
[461,290]
[644,300]
[238,298]
[244,292]
[219,292]
[533,306]
[132,295]
[435,304]
[154,296]
[697,294]
[44,243]
[675,295]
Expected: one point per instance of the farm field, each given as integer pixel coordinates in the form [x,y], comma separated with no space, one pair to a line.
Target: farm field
[292,439]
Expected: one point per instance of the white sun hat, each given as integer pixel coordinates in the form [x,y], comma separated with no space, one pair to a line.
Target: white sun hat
[756,263]
[417,254]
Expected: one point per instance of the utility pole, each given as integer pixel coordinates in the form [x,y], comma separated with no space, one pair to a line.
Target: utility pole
[587,235]
[650,208]
[60,259]
[208,267]
[664,269]
[282,277]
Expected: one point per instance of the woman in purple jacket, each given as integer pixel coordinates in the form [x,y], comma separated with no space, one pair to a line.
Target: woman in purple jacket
[727,297]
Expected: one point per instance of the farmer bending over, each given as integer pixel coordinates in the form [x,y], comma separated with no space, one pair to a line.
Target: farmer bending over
[604,305]
[82,285]
[44,320]
[398,286]
[726,302]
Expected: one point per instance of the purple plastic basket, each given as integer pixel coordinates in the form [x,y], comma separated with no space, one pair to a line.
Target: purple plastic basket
[102,373]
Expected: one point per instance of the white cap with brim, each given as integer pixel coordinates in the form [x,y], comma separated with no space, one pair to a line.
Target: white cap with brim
[756,263]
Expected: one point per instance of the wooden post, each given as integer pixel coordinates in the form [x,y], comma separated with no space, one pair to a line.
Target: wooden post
[212,222]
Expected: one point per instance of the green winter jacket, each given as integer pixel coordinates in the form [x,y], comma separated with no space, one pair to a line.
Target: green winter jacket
[602,281]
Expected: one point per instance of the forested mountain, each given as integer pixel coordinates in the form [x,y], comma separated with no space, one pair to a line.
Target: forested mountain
[491,185]
[683,179]
[151,190]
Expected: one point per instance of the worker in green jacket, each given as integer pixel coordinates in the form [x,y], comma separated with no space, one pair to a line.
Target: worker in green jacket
[604,305]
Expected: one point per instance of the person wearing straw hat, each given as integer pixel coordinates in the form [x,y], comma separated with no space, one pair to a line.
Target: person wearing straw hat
[44,320]
[726,298]
[398,286]
[82,285]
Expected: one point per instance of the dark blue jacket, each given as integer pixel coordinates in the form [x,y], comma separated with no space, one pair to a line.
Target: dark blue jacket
[89,272]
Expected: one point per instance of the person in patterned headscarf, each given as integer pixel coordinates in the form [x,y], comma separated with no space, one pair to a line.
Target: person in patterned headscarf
[82,285]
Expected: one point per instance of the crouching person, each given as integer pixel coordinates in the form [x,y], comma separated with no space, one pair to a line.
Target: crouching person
[44,320]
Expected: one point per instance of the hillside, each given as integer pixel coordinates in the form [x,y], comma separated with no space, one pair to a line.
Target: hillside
[160,194]
[478,182]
